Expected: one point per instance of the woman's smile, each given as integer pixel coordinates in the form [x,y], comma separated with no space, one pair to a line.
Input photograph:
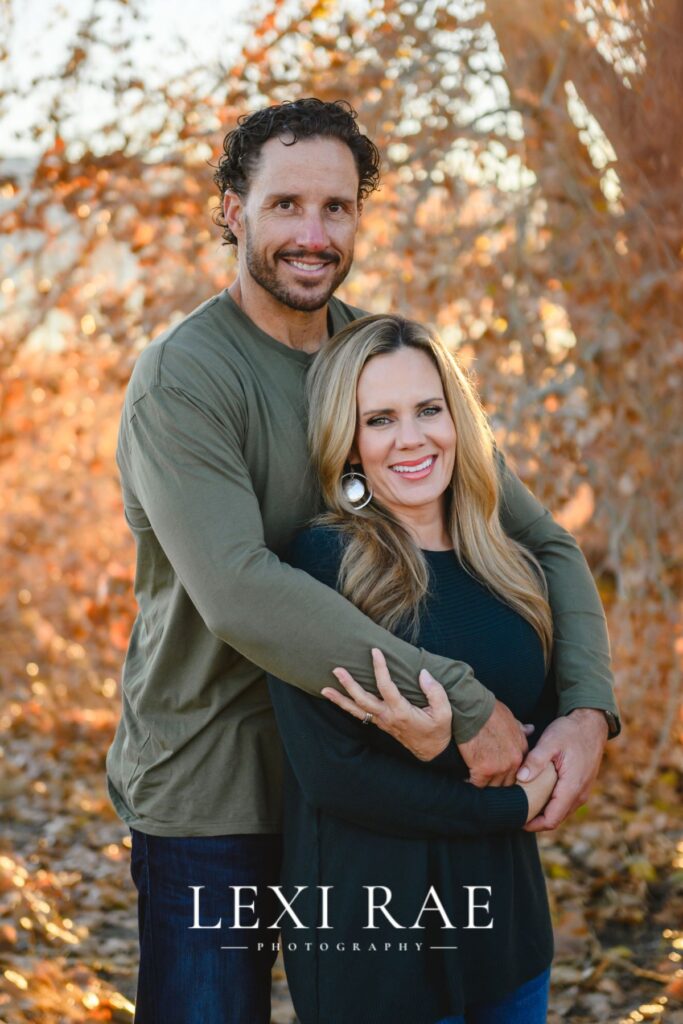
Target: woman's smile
[418,469]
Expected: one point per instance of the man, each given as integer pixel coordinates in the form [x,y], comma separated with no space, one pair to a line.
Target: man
[215,477]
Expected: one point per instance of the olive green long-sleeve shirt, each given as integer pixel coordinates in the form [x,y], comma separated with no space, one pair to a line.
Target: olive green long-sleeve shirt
[215,476]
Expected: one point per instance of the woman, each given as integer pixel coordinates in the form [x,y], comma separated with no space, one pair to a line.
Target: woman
[419,898]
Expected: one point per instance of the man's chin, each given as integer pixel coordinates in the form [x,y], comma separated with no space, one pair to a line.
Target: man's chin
[306,304]
[305,300]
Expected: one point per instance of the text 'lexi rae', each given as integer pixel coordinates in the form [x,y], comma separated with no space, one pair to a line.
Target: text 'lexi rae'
[377,902]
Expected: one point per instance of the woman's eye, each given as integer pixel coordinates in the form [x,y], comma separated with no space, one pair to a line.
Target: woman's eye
[378,421]
[431,410]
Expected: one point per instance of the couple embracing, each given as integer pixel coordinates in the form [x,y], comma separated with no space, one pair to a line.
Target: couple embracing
[367,667]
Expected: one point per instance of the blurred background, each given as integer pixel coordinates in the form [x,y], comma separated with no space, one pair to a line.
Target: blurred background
[532,207]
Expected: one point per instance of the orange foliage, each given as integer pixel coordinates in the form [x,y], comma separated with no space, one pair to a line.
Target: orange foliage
[531,207]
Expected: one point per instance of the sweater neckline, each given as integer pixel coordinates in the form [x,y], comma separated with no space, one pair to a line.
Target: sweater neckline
[334,323]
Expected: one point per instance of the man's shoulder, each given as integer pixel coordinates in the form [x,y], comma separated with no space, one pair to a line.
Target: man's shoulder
[184,356]
[344,313]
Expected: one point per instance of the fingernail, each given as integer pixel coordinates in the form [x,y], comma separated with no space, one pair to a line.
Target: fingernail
[523,774]
[336,673]
[425,678]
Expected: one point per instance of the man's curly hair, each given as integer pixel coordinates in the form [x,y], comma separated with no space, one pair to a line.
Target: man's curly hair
[300,119]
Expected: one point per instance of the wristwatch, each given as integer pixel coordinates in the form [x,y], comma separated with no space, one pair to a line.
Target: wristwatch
[613,727]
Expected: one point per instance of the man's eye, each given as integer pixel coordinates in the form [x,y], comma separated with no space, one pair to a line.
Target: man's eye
[335,207]
[285,204]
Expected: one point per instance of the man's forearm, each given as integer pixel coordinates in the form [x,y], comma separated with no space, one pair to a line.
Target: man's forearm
[299,629]
[581,655]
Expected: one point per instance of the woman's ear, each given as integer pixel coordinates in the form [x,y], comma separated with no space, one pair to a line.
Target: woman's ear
[354,457]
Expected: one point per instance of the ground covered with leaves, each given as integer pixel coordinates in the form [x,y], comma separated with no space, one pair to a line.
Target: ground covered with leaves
[69,944]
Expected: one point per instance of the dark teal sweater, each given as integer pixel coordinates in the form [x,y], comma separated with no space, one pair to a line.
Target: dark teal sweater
[361,811]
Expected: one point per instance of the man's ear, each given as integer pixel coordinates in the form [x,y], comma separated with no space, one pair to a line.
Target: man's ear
[233,212]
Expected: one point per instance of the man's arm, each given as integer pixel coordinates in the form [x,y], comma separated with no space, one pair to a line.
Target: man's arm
[574,742]
[581,655]
[188,472]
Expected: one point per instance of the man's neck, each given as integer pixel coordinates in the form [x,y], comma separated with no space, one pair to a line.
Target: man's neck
[305,331]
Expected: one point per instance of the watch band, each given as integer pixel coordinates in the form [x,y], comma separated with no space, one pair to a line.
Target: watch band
[612,723]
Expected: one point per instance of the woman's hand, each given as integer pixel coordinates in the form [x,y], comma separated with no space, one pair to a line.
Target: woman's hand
[574,744]
[425,732]
[539,790]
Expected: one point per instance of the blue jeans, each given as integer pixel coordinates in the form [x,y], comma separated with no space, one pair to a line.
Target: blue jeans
[528,1004]
[185,976]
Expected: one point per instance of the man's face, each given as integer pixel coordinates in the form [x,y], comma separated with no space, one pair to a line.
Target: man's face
[297,225]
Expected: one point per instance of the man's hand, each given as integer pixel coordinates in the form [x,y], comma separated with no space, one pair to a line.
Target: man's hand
[425,732]
[496,752]
[575,745]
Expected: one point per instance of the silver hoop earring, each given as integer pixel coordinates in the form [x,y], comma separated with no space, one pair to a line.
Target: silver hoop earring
[356,489]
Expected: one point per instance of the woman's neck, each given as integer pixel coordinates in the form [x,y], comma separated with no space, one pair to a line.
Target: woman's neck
[427,525]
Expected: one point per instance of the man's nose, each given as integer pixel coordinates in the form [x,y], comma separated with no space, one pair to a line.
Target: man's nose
[311,233]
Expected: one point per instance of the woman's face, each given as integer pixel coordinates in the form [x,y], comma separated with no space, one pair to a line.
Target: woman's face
[405,438]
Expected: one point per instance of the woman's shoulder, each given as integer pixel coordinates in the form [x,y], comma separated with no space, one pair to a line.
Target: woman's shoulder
[318,550]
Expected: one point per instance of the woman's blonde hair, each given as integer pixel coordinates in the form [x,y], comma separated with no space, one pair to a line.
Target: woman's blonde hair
[383,571]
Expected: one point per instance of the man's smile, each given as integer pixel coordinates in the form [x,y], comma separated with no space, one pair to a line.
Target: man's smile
[312,266]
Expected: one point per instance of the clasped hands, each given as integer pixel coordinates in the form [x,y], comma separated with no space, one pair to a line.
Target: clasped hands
[557,774]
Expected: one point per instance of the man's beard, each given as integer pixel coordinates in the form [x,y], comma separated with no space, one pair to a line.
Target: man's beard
[266,275]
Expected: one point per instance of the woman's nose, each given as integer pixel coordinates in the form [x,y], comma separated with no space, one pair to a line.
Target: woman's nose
[409,434]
